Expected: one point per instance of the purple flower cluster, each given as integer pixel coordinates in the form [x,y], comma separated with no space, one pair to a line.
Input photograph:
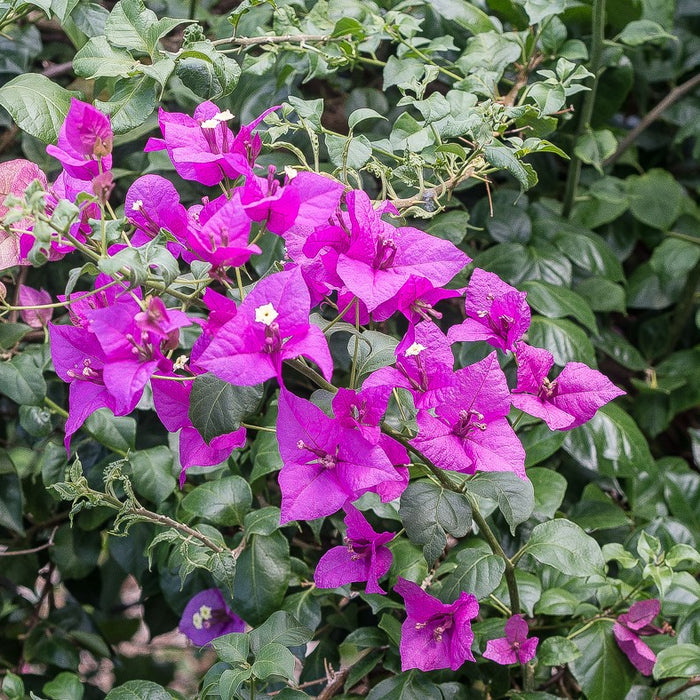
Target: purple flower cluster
[342,251]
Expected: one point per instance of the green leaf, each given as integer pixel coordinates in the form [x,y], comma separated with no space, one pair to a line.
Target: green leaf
[602,294]
[540,443]
[281,628]
[65,686]
[21,382]
[38,105]
[655,198]
[550,488]
[116,432]
[11,502]
[363,114]
[678,661]
[152,473]
[99,59]
[139,690]
[231,680]
[206,71]
[405,686]
[594,147]
[566,547]
[564,339]
[537,10]
[262,575]
[502,157]
[557,651]
[232,648]
[589,252]
[274,660]
[641,31]
[428,511]
[557,302]
[348,151]
[223,502]
[375,350]
[620,349]
[610,443]
[218,408]
[263,521]
[12,333]
[392,627]
[514,496]
[478,571]
[131,104]
[602,670]
[75,552]
[463,13]
[13,686]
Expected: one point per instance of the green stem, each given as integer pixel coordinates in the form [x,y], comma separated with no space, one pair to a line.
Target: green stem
[311,374]
[598,26]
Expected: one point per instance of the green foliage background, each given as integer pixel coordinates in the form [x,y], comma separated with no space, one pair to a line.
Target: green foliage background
[555,141]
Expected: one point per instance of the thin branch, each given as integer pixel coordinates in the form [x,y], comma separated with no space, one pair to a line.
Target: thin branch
[653,115]
[33,550]
[246,41]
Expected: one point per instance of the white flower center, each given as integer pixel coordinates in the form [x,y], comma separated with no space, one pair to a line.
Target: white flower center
[205,612]
[137,205]
[265,314]
[415,349]
[290,172]
[223,116]
[210,123]
[197,621]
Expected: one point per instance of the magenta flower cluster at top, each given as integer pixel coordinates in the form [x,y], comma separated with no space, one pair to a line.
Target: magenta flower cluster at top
[340,249]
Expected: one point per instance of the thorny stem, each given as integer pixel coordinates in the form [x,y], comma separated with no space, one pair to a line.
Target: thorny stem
[158,519]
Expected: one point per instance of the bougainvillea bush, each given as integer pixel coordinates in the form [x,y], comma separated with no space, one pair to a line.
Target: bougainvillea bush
[351,347]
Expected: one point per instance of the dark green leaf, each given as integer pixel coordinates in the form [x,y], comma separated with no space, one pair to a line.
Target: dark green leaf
[678,661]
[641,31]
[131,104]
[565,340]
[428,511]
[217,407]
[232,648]
[514,496]
[263,521]
[566,547]
[99,59]
[223,502]
[12,333]
[610,443]
[540,443]
[38,105]
[655,198]
[139,690]
[11,502]
[21,382]
[281,628]
[75,552]
[152,473]
[406,686]
[116,432]
[550,487]
[557,302]
[602,670]
[66,686]
[557,651]
[262,574]
[231,680]
[478,572]
[274,660]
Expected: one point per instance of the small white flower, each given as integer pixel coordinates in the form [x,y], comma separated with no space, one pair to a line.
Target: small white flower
[205,612]
[290,172]
[137,205]
[265,314]
[223,116]
[210,123]
[197,621]
[415,349]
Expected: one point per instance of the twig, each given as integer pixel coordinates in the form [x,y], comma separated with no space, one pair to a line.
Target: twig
[246,41]
[33,550]
[653,115]
[56,69]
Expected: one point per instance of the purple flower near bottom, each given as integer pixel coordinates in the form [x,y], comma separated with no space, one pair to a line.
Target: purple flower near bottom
[630,626]
[515,647]
[435,635]
[207,617]
[363,558]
